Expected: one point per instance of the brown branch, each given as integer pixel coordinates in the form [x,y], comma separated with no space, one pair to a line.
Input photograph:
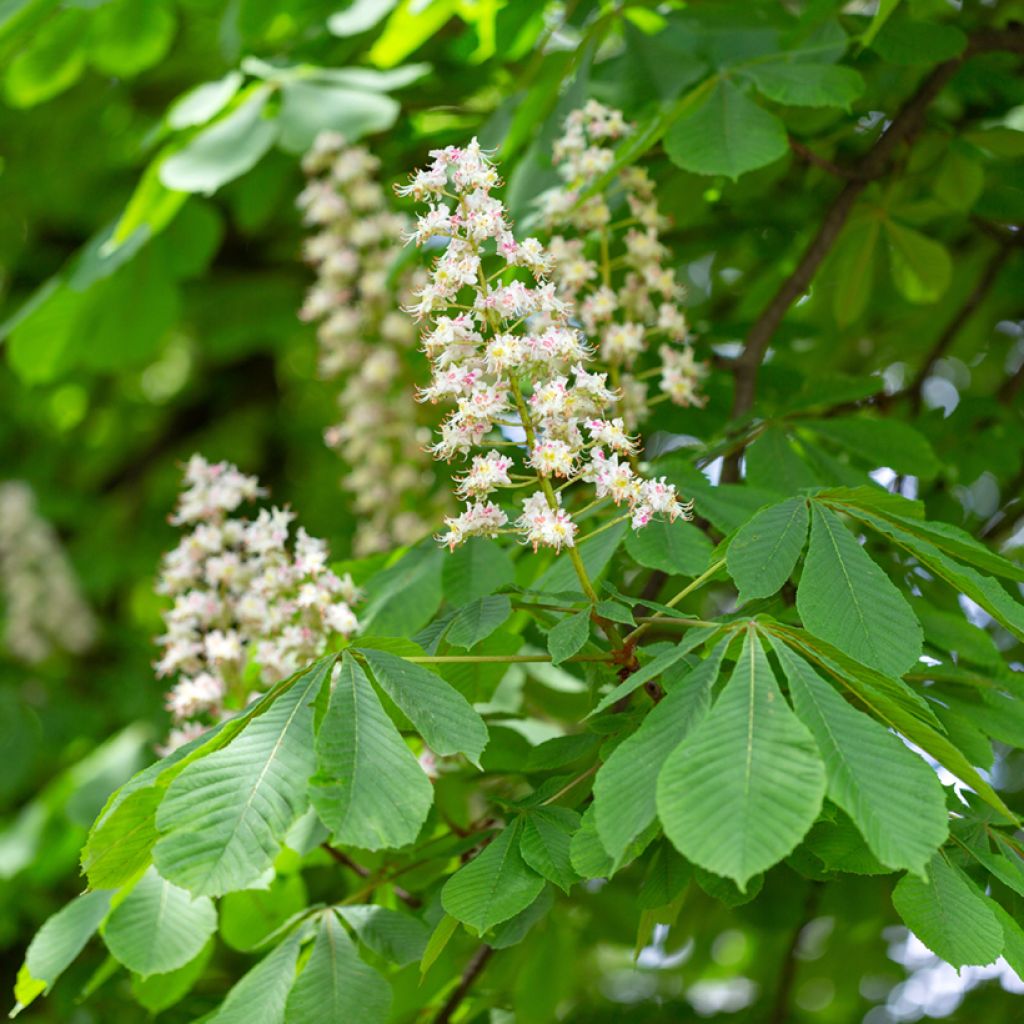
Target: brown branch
[973,300]
[874,165]
[346,861]
[476,964]
[787,970]
[809,156]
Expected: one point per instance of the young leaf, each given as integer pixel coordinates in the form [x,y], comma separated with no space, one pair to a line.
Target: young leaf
[441,715]
[544,844]
[568,636]
[494,886]
[478,620]
[892,795]
[158,927]
[743,788]
[369,789]
[921,267]
[625,789]
[845,598]
[260,995]
[335,984]
[949,915]
[439,938]
[763,554]
[225,816]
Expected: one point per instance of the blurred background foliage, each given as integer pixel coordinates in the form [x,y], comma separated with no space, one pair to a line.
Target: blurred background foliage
[149,245]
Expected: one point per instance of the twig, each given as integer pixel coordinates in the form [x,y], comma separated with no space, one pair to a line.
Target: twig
[476,964]
[808,155]
[342,858]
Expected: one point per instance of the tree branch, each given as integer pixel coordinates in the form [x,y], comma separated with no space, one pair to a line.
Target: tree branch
[476,964]
[787,970]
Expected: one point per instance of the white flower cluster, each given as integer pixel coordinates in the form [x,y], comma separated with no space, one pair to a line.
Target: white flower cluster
[243,596]
[364,341]
[43,607]
[503,349]
[614,271]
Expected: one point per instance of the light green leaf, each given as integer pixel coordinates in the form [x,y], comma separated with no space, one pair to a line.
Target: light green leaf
[359,16]
[439,938]
[260,995]
[741,791]
[677,548]
[335,984]
[441,715]
[117,851]
[478,620]
[204,101]
[49,63]
[949,915]
[921,267]
[544,843]
[249,916]
[158,992]
[225,150]
[762,556]
[309,108]
[61,938]
[881,442]
[726,133]
[568,636]
[878,20]
[369,790]
[625,789]
[128,36]
[475,569]
[408,29]
[158,927]
[494,886]
[846,599]
[807,84]
[400,938]
[892,795]
[225,816]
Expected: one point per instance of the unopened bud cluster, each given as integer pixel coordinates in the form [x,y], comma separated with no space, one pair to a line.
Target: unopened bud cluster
[364,340]
[611,264]
[251,606]
[43,607]
[505,351]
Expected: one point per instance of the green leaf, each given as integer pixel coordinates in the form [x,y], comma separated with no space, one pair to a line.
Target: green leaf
[892,795]
[544,844]
[921,267]
[158,992]
[678,548]
[853,269]
[309,108]
[248,916]
[881,442]
[225,816]
[61,938]
[568,636]
[439,938]
[403,598]
[475,569]
[807,84]
[589,857]
[667,876]
[726,133]
[359,16]
[119,848]
[441,715]
[335,984]
[654,668]
[949,915]
[762,556]
[882,14]
[741,791]
[369,790]
[260,995]
[596,554]
[960,179]
[478,620]
[400,938]
[846,599]
[203,102]
[158,927]
[128,36]
[225,150]
[910,42]
[625,789]
[51,62]
[773,465]
[494,886]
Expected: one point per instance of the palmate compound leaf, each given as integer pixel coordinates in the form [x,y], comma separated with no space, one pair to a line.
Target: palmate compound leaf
[625,789]
[158,927]
[846,599]
[259,996]
[741,791]
[892,795]
[495,885]
[61,938]
[369,789]
[763,554]
[335,984]
[949,915]
[225,816]
[441,715]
